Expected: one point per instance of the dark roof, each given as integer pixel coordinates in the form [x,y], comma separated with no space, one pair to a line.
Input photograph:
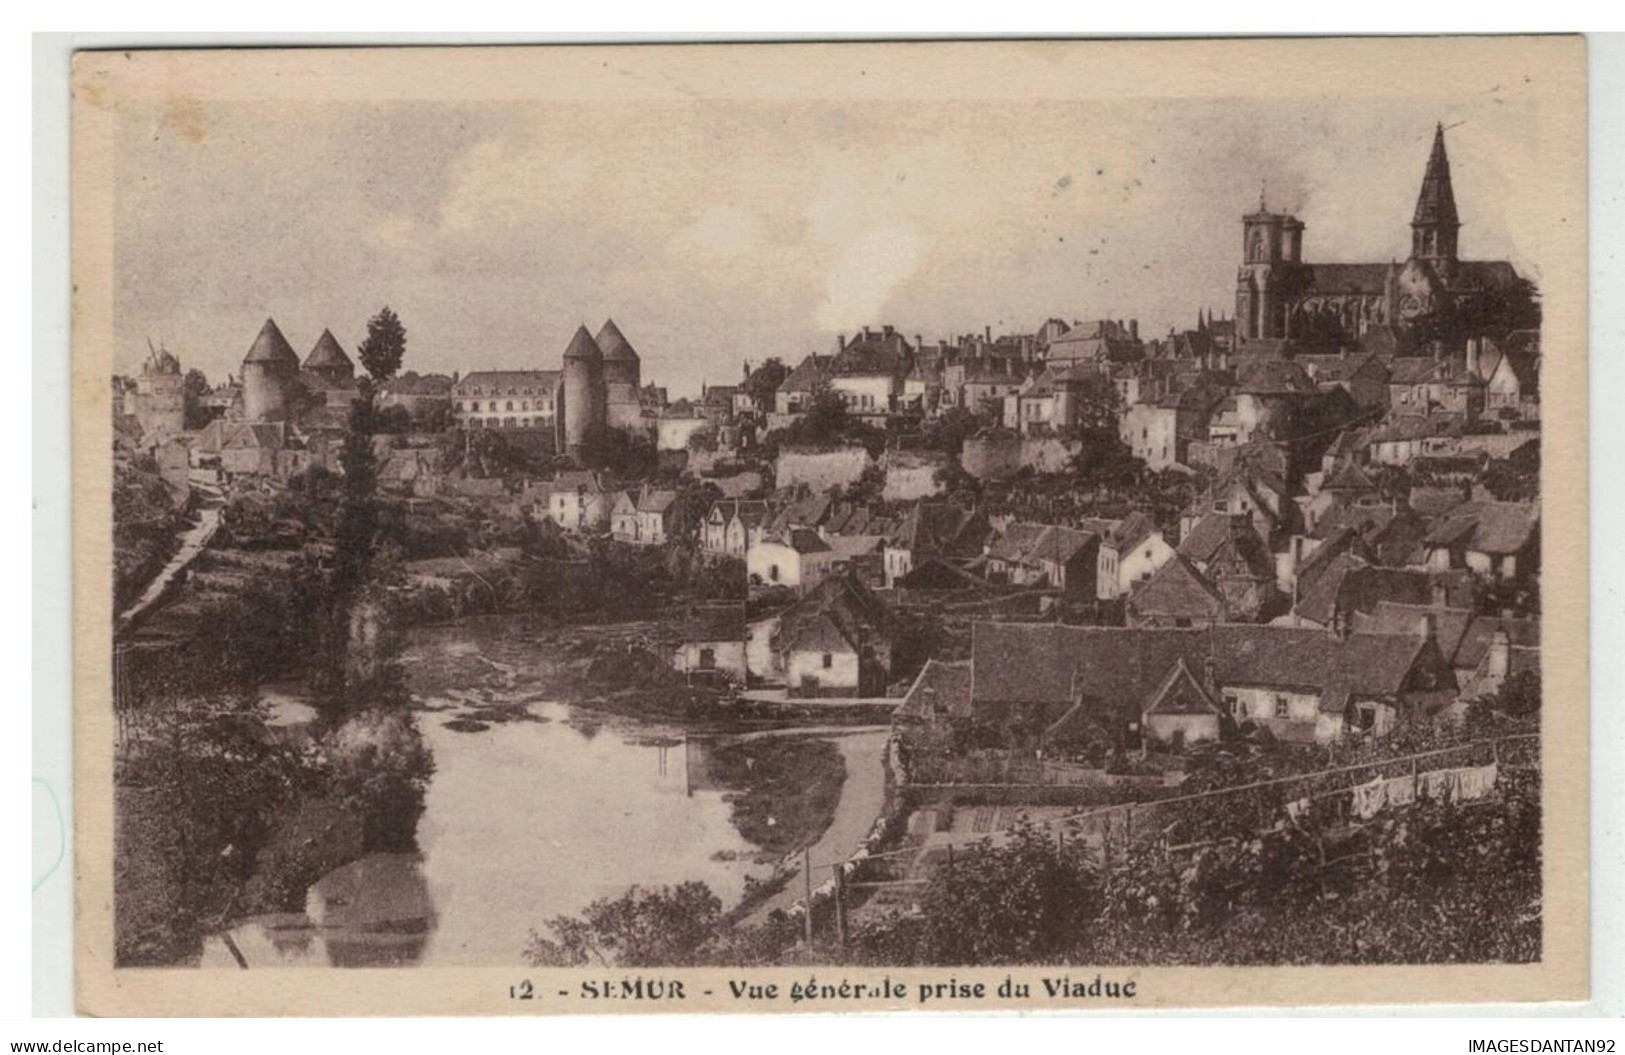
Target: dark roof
[582,346]
[1024,663]
[1411,369]
[1488,527]
[1180,693]
[1274,377]
[934,573]
[1131,531]
[1436,203]
[838,610]
[1476,640]
[805,540]
[1348,278]
[417,385]
[1391,617]
[653,501]
[1349,477]
[1435,501]
[940,688]
[613,344]
[1205,537]
[271,347]
[809,375]
[1177,591]
[944,528]
[327,352]
[500,380]
[1351,585]
[715,622]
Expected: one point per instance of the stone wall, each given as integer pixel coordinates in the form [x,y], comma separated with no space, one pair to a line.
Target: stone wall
[820,470]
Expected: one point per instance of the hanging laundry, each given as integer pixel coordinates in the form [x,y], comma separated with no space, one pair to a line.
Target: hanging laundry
[1475,783]
[1439,785]
[1402,790]
[1370,798]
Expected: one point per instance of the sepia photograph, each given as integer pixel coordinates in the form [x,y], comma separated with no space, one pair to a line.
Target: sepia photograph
[664,518]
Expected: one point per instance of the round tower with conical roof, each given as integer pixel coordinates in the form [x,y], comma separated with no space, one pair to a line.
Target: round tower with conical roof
[327,364]
[270,372]
[623,376]
[580,404]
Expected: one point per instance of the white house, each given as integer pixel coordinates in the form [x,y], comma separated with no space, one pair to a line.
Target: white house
[1130,553]
[799,559]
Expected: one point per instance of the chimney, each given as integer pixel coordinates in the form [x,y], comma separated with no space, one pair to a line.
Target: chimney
[1498,660]
[1426,626]
[1472,355]
[840,342]
[1134,329]
[987,334]
[1342,351]
[885,331]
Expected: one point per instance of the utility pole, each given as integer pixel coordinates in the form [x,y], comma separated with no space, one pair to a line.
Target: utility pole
[840,909]
[806,882]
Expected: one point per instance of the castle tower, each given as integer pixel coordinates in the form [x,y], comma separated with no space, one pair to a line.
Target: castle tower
[621,362]
[160,403]
[270,371]
[1435,223]
[327,363]
[623,374]
[580,402]
[1271,251]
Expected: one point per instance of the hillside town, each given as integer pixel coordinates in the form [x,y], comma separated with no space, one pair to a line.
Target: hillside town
[1065,574]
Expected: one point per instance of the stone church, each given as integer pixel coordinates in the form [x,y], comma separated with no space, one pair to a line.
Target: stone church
[1279,297]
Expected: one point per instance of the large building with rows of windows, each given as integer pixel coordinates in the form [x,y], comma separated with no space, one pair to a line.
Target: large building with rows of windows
[505,399]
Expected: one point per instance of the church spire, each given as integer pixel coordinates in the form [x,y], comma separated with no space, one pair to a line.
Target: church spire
[1435,223]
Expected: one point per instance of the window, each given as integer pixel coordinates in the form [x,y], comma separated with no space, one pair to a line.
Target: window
[510,404]
[708,659]
[829,661]
[1282,708]
[773,573]
[1233,705]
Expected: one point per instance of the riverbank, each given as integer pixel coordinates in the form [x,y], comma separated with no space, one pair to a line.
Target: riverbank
[614,669]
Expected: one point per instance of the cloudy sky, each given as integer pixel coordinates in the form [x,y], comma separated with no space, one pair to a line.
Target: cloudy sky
[716,232]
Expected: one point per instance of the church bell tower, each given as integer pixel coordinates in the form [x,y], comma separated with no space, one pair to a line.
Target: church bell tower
[1435,223]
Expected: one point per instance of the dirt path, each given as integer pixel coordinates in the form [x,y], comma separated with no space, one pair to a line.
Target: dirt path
[193,542]
[862,799]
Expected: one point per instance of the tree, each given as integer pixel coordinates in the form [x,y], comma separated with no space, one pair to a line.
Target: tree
[618,453]
[869,486]
[764,381]
[1023,902]
[194,392]
[949,430]
[382,351]
[660,927]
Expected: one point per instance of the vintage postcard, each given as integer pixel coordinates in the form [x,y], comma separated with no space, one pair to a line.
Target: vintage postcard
[830,527]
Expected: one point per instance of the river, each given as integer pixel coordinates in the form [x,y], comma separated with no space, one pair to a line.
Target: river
[545,809]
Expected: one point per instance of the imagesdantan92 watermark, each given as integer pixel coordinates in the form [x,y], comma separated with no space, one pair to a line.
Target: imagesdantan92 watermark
[1528,1045]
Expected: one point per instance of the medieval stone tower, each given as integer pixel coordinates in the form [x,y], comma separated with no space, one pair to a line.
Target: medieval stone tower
[270,376]
[623,377]
[327,365]
[1272,249]
[580,405]
[160,394]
